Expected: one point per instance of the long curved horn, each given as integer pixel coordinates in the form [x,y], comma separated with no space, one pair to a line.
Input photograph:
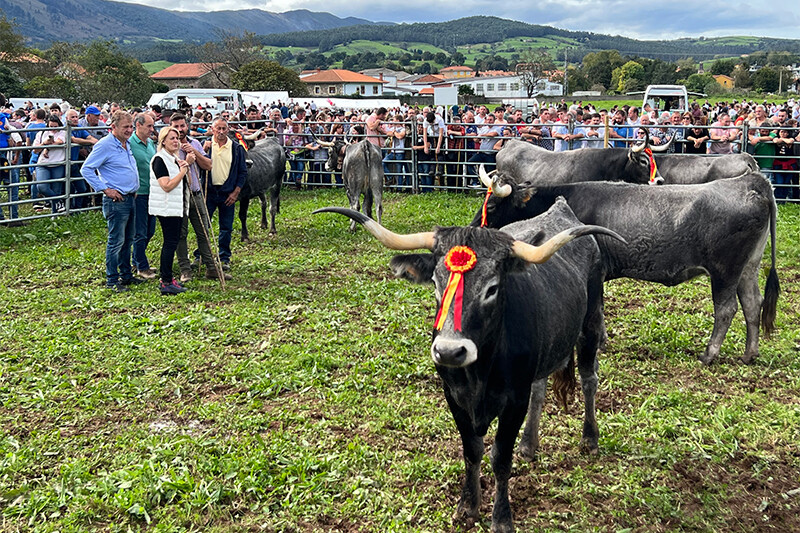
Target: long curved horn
[661,148]
[640,147]
[252,136]
[488,181]
[321,142]
[395,241]
[540,254]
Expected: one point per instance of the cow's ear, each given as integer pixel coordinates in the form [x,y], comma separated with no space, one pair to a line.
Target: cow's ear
[417,268]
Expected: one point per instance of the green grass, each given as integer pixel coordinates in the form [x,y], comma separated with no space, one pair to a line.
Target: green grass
[303,397]
[155,66]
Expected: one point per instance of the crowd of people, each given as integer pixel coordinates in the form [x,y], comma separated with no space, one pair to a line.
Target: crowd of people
[177,168]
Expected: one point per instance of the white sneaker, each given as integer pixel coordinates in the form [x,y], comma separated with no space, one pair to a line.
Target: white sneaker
[146,274]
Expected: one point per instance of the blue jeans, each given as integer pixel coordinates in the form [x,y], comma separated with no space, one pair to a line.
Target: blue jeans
[50,173]
[296,174]
[216,199]
[144,229]
[120,218]
[13,195]
[481,157]
[400,168]
[77,185]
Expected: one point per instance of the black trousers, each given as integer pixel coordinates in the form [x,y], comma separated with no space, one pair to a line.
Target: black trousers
[171,232]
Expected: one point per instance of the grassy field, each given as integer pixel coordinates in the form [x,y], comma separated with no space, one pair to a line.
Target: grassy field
[303,398]
[156,66]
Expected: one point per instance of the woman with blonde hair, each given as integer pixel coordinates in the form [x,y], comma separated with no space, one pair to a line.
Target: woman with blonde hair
[169,201]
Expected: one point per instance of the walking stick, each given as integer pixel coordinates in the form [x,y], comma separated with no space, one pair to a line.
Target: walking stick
[212,241]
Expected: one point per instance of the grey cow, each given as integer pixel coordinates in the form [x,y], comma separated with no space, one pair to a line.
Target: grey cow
[686,169]
[522,310]
[266,162]
[362,173]
[524,162]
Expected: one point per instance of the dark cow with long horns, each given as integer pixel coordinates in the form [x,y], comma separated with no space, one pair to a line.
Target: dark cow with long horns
[675,233]
[510,312]
[266,165]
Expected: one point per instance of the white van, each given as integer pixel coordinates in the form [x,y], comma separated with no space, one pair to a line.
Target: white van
[214,100]
[666,98]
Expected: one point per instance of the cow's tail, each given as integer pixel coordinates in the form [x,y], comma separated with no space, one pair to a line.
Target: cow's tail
[772,288]
[564,382]
[367,147]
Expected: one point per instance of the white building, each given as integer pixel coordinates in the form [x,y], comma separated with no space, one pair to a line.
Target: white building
[500,87]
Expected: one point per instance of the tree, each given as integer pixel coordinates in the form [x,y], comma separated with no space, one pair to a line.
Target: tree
[629,77]
[698,82]
[765,80]
[457,59]
[532,68]
[265,75]
[228,54]
[741,77]
[112,76]
[723,66]
[465,89]
[12,42]
[423,68]
[10,83]
[55,87]
[599,66]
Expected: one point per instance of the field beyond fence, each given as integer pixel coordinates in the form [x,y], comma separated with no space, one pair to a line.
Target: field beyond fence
[303,398]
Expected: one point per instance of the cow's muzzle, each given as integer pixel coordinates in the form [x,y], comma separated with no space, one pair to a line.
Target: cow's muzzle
[454,353]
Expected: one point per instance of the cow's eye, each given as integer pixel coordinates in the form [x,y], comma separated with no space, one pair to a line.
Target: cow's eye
[491,292]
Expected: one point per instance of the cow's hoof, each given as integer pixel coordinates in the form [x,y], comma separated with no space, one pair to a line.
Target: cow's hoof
[749,358]
[589,448]
[503,528]
[528,453]
[706,358]
[272,233]
[245,239]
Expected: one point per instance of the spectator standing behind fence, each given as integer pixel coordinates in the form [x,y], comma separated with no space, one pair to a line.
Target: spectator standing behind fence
[421,150]
[486,153]
[696,138]
[169,202]
[763,147]
[785,165]
[52,162]
[111,169]
[228,176]
[434,143]
[455,150]
[91,119]
[396,152]
[722,136]
[143,148]
[296,145]
[79,138]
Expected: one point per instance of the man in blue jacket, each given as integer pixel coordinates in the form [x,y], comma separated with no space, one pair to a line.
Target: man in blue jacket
[226,179]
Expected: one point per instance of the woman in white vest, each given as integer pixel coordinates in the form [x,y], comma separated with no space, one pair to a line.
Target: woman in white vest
[169,201]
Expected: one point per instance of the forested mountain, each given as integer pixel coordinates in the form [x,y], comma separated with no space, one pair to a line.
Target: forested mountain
[43,21]
[483,29]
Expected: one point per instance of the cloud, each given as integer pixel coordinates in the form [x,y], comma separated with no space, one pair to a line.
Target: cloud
[638,19]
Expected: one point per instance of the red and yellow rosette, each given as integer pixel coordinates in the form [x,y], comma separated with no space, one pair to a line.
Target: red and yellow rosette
[653,169]
[459,259]
[485,203]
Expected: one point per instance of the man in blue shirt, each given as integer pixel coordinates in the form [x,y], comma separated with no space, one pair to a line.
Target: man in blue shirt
[111,169]
[79,138]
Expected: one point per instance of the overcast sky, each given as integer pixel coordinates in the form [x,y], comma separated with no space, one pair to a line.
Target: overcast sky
[640,19]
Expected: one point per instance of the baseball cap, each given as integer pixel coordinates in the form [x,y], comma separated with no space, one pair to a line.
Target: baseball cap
[92,110]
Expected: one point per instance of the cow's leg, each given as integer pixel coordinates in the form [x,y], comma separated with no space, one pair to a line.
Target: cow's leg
[724,297]
[749,297]
[377,194]
[244,203]
[274,208]
[469,505]
[589,342]
[355,204]
[502,452]
[368,203]
[529,444]
[263,198]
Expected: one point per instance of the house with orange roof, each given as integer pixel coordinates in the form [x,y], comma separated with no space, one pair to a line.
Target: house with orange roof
[192,76]
[340,82]
[459,71]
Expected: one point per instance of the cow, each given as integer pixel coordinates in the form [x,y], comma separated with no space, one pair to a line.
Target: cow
[685,169]
[525,162]
[266,162]
[675,233]
[362,173]
[510,313]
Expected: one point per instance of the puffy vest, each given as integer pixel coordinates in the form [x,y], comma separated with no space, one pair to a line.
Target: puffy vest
[167,204]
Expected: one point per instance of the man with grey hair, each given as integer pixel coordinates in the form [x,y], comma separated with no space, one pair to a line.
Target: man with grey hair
[143,148]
